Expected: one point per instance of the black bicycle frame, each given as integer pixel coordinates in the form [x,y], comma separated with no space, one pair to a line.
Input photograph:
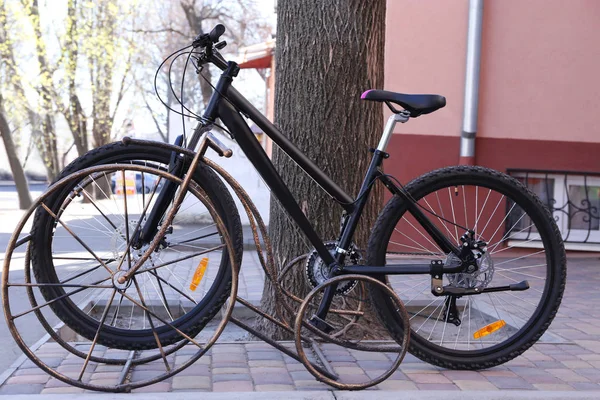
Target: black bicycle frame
[228,104]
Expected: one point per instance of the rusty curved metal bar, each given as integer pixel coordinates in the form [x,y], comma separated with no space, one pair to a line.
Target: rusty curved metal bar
[123,387]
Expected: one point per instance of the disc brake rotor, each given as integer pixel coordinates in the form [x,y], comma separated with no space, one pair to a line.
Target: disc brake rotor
[479,279]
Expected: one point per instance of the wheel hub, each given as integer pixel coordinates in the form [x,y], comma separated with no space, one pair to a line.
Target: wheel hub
[478,279]
[120,276]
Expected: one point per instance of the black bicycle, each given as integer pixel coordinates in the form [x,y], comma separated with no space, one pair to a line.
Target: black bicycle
[475,256]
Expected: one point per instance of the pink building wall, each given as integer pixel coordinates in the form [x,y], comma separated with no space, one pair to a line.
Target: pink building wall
[539,70]
[539,87]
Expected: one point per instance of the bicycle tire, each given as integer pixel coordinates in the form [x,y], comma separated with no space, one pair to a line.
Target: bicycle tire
[192,322]
[453,179]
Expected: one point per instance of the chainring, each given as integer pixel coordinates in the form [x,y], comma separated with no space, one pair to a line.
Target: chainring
[317,272]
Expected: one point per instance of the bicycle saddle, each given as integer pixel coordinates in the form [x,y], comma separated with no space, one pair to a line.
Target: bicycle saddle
[416,104]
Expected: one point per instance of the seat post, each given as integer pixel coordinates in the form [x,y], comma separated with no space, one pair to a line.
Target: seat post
[402,117]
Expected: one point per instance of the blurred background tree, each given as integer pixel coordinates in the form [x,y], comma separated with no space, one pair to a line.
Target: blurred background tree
[73,73]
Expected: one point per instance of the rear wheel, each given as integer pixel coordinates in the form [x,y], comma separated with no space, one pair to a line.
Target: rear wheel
[83,243]
[523,243]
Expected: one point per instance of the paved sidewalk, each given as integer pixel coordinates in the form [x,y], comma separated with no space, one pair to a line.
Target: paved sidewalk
[572,364]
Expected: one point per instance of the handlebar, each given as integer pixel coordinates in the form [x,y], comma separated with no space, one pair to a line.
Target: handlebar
[209,42]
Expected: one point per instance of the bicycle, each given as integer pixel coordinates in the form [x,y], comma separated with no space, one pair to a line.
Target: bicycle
[439,242]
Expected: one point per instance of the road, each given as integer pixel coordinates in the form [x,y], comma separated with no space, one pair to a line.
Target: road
[9,217]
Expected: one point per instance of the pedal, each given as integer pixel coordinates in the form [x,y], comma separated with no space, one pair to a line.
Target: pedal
[321,325]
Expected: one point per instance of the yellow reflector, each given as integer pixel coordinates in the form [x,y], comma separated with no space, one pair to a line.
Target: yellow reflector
[488,329]
[199,274]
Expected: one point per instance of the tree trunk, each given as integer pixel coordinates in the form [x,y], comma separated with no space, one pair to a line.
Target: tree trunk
[13,160]
[327,54]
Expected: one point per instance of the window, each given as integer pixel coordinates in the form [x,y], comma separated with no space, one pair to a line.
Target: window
[574,200]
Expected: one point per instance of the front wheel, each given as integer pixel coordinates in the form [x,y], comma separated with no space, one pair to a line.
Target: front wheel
[85,242]
[522,243]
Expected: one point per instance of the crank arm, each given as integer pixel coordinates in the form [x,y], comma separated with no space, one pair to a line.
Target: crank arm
[454,291]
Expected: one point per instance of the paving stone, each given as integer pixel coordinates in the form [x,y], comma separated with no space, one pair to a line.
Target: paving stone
[474,384]
[464,375]
[106,375]
[498,372]
[577,364]
[509,382]
[548,364]
[233,386]
[349,370]
[273,388]
[104,382]
[369,356]
[263,379]
[392,384]
[231,377]
[311,385]
[231,357]
[53,382]
[69,368]
[568,375]
[108,368]
[421,368]
[28,379]
[160,387]
[191,382]
[436,386]
[590,373]
[138,376]
[62,390]
[237,370]
[22,389]
[585,386]
[343,364]
[263,355]
[29,371]
[428,378]
[51,362]
[553,386]
[266,364]
[196,370]
[367,365]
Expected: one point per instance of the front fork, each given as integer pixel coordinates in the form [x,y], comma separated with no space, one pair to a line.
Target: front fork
[169,189]
[164,198]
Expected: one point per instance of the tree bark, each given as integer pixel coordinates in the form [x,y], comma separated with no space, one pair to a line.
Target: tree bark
[13,160]
[327,54]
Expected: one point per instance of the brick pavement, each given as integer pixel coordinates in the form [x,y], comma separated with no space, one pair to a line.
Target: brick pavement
[572,364]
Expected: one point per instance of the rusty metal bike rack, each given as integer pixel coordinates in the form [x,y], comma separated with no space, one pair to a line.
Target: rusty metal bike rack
[305,335]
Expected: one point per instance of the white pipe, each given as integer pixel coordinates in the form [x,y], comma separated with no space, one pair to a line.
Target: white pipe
[469,128]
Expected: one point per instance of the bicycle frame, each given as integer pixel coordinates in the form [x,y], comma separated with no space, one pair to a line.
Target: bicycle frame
[228,104]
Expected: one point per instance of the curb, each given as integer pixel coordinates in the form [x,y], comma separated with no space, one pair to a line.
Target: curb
[327,395]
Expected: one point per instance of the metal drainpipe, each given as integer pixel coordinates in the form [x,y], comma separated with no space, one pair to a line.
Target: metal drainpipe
[469,128]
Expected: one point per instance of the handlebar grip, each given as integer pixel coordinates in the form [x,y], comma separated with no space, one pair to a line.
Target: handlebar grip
[216,33]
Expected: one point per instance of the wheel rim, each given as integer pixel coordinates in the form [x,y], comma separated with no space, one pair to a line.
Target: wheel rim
[504,225]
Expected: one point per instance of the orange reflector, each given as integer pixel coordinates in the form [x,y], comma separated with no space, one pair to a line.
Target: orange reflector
[199,274]
[488,329]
